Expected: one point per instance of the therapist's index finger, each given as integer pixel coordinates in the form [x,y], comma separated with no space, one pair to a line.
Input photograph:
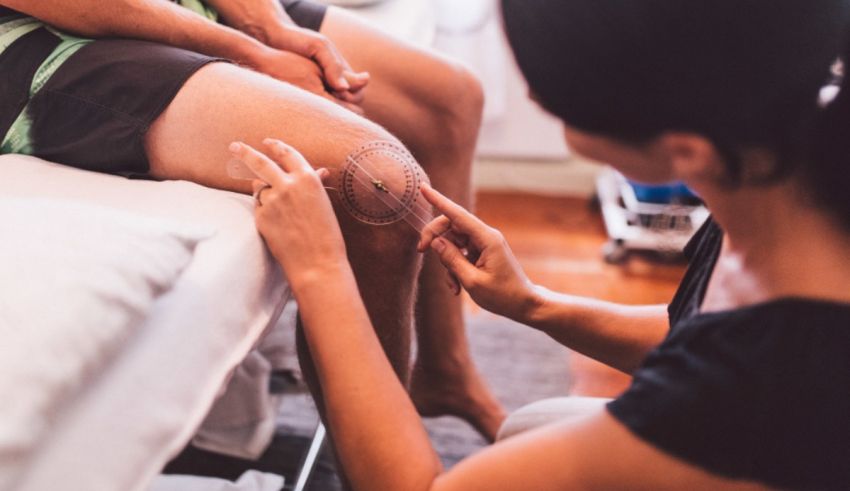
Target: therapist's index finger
[262,166]
[432,230]
[290,159]
[463,220]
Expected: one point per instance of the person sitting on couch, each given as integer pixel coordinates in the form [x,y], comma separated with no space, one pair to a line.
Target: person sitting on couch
[742,382]
[159,89]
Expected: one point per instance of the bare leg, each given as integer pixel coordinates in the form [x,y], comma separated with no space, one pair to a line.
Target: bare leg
[434,105]
[223,103]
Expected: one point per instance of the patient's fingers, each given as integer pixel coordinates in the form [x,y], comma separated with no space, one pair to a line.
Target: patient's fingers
[290,159]
[357,80]
[262,166]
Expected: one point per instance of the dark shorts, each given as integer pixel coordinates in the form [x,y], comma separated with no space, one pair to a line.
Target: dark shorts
[305,13]
[94,111]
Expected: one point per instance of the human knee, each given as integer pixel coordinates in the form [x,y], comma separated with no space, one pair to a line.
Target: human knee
[459,104]
[379,187]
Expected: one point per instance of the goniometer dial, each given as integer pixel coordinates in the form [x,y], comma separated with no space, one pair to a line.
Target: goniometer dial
[379,183]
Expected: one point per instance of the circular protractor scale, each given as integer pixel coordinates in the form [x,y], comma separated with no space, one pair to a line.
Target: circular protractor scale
[379,183]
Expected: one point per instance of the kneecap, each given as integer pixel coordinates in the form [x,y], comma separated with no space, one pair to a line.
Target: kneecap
[380,183]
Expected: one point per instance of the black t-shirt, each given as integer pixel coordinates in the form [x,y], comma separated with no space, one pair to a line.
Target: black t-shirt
[759,393]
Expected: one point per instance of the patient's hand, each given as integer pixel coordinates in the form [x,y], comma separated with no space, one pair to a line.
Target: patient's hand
[301,72]
[268,22]
[341,80]
[489,271]
[293,213]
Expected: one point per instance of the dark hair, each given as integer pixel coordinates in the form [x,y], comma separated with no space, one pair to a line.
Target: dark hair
[743,73]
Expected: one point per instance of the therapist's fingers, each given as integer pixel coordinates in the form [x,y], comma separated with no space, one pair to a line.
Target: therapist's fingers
[434,229]
[257,185]
[289,159]
[455,261]
[324,174]
[453,283]
[265,169]
[462,220]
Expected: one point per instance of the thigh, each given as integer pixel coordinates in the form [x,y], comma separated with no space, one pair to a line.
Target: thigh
[223,103]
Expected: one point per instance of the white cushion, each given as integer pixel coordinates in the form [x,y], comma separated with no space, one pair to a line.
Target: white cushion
[75,281]
[146,404]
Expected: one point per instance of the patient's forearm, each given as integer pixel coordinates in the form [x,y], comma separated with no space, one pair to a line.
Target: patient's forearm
[378,434]
[151,20]
[261,19]
[618,335]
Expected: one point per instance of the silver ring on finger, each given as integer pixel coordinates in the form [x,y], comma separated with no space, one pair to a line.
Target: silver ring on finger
[259,192]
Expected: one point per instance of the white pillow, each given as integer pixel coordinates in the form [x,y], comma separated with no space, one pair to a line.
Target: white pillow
[75,280]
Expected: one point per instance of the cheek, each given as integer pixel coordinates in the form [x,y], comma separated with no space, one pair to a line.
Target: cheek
[642,169]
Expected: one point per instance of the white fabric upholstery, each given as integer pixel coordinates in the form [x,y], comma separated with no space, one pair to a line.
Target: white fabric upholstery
[149,399]
[77,282]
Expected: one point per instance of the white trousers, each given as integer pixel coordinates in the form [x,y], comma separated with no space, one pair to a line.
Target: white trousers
[548,411]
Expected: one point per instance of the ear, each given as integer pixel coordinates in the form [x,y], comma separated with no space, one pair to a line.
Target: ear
[691,156]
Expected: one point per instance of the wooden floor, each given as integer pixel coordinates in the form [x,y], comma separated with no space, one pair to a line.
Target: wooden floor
[559,242]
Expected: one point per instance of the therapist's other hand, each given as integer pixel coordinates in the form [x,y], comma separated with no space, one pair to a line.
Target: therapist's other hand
[293,212]
[479,257]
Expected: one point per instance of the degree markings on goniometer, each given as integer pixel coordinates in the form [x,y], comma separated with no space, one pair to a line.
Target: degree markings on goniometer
[376,190]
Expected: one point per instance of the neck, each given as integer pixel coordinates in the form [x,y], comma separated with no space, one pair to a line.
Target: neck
[776,246]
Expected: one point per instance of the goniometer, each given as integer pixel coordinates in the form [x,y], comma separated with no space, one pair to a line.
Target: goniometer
[380,184]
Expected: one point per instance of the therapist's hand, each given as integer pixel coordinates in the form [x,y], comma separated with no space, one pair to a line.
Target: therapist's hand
[294,214]
[479,257]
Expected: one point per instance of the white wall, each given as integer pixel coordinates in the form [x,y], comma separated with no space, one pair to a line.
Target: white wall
[521,147]
[514,126]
